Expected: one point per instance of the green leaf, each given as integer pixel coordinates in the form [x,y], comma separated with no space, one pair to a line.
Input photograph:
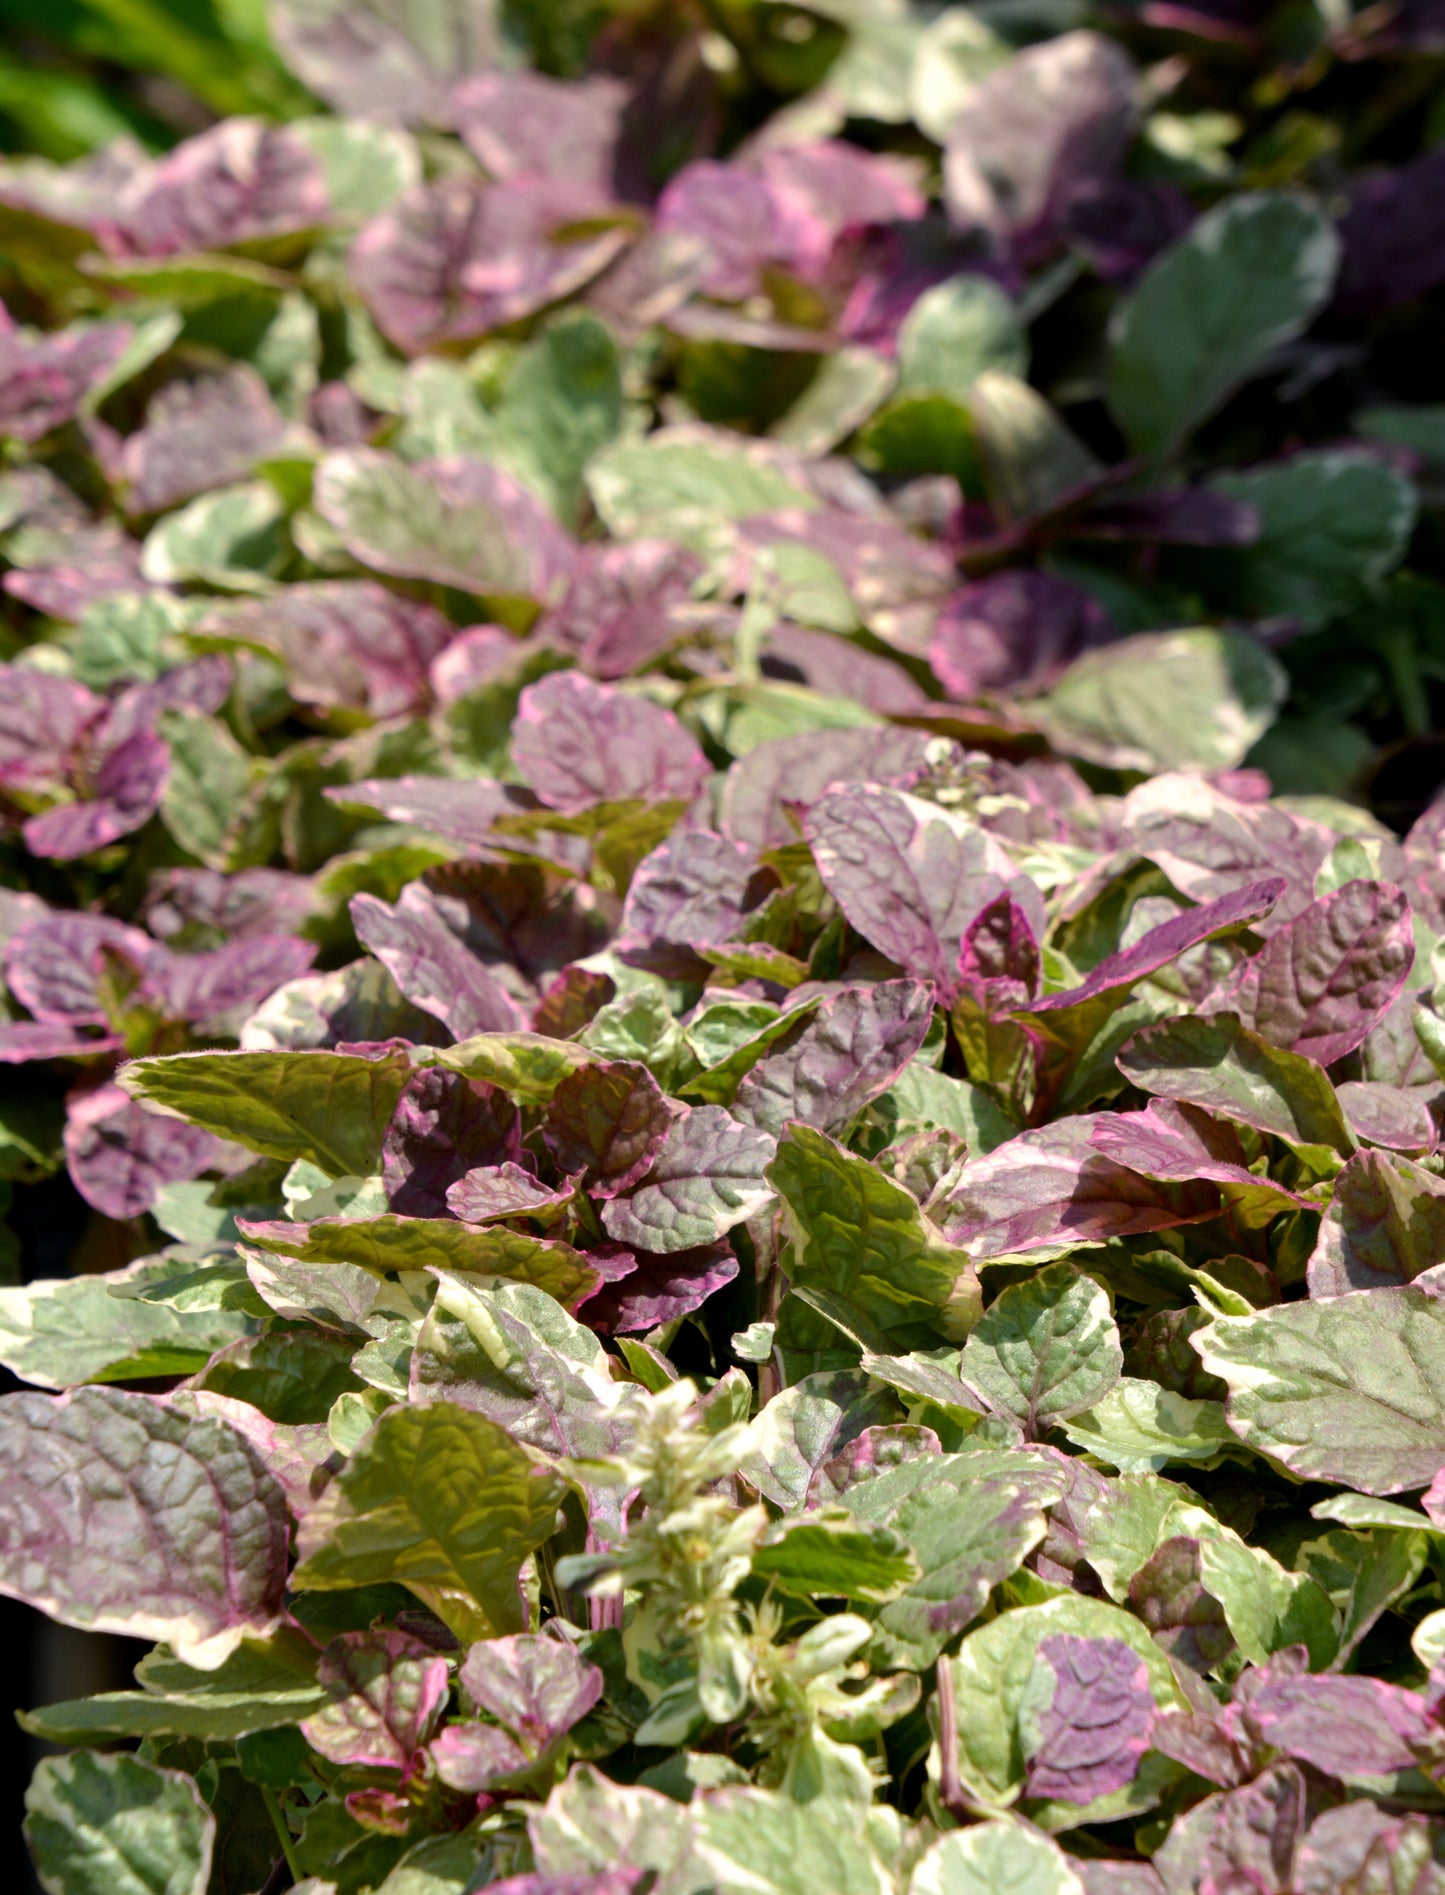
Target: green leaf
[1140,1428]
[395,520]
[827,1554]
[383,1244]
[768,1844]
[1349,1389]
[668,483]
[859,1236]
[561,405]
[59,1331]
[1364,1574]
[992,1675]
[366,166]
[995,1858]
[112,1825]
[1331,525]
[233,539]
[971,1519]
[957,330]
[1265,1607]
[1220,1065]
[848,386]
[1046,1349]
[210,787]
[1209,313]
[259,1687]
[331,1108]
[529,1066]
[1191,700]
[443,1501]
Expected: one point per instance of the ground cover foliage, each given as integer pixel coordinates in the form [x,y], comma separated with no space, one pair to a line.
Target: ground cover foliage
[716,751]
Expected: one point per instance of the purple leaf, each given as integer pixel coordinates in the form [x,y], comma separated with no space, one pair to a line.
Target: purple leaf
[1385,1224]
[200,987]
[1166,943]
[840,668]
[843,1056]
[120,1155]
[74,567]
[571,1000]
[42,720]
[201,434]
[240,181]
[479,655]
[537,1687]
[606,1124]
[797,770]
[692,892]
[1095,1729]
[431,966]
[1392,236]
[455,259]
[44,379]
[1347,1727]
[745,223]
[387,1690]
[911,877]
[460,812]
[708,1176]
[478,1757]
[1177,1142]
[576,743]
[394,62]
[621,609]
[1168,1594]
[127,791]
[126,1516]
[202,685]
[1241,1839]
[53,966]
[1382,1114]
[998,963]
[1174,516]
[505,1190]
[22,1040]
[1361,1849]
[1057,115]
[346,644]
[1014,631]
[1051,1187]
[525,125]
[1319,985]
[657,1290]
[443,1127]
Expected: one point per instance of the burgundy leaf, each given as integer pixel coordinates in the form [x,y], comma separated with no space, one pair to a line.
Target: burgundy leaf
[127,791]
[1178,1142]
[691,892]
[53,966]
[431,966]
[573,998]
[797,770]
[1246,1833]
[202,685]
[233,184]
[605,1124]
[74,567]
[44,379]
[623,606]
[708,1176]
[1168,1594]
[505,1190]
[659,1289]
[1095,1729]
[842,1056]
[460,812]
[840,668]
[911,877]
[537,1687]
[22,1040]
[1385,1224]
[443,1127]
[1174,516]
[42,720]
[999,960]
[1392,236]
[477,1757]
[120,1155]
[1014,631]
[1050,1187]
[1382,1114]
[387,1690]
[576,743]
[1347,1727]
[201,434]
[525,125]
[1166,943]
[1319,985]
[203,986]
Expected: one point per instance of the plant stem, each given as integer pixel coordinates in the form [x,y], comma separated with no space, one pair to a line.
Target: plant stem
[283,1833]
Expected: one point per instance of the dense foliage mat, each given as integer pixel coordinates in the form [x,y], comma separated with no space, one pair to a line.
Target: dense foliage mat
[719,881]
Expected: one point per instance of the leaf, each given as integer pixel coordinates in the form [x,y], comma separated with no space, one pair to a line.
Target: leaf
[1265,1607]
[1013,630]
[59,1331]
[259,1687]
[442,1500]
[538,1687]
[1331,525]
[387,59]
[112,1825]
[1190,700]
[1046,1349]
[911,877]
[130,1517]
[971,1519]
[232,539]
[804,1427]
[708,1176]
[826,1554]
[1346,1389]
[650,488]
[954,332]
[529,1066]
[444,1126]
[998,1678]
[1211,312]
[383,1244]
[432,965]
[562,403]
[386,1690]
[994,1858]
[854,1047]
[1385,1222]
[860,1237]
[1140,1427]
[1087,1737]
[765,1842]
[577,743]
[329,1108]
[1221,1066]
[606,1124]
